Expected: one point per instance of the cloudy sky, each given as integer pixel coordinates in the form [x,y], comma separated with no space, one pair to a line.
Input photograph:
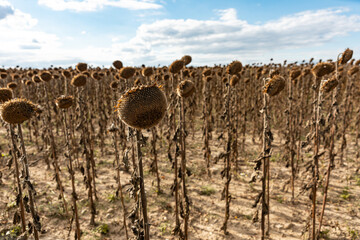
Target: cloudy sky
[40,33]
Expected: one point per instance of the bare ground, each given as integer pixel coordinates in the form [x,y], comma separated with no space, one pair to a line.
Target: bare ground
[288,219]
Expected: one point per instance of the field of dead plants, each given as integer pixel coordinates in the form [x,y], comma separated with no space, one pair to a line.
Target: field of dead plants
[180,152]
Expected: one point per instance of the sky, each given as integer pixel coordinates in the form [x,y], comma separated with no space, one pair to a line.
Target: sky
[41,33]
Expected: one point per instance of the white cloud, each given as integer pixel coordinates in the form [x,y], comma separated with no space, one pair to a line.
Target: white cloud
[222,40]
[5,9]
[228,14]
[94,5]
[19,41]
[22,44]
[294,37]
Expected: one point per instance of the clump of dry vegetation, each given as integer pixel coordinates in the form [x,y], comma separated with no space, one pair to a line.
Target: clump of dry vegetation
[181,152]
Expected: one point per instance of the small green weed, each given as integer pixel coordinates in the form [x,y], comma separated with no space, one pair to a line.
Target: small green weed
[112,198]
[345,194]
[324,234]
[207,190]
[275,157]
[357,179]
[279,199]
[11,205]
[164,228]
[102,229]
[354,234]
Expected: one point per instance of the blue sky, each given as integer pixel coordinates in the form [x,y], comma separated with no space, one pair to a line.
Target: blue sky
[38,33]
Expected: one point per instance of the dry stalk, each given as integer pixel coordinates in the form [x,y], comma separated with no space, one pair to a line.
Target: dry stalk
[114,131]
[333,127]
[206,131]
[14,151]
[315,166]
[36,226]
[186,201]
[72,177]
[53,151]
[227,168]
[266,152]
[85,142]
[154,164]
[142,187]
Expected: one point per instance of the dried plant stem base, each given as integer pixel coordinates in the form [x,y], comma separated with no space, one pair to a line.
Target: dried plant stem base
[142,186]
[36,224]
[17,176]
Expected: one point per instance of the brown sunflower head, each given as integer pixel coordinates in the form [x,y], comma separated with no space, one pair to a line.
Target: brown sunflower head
[294,73]
[275,85]
[234,80]
[186,59]
[5,94]
[28,82]
[323,68]
[346,56]
[45,76]
[12,85]
[17,111]
[81,67]
[234,68]
[353,70]
[79,80]
[329,84]
[176,66]
[95,75]
[142,107]
[206,72]
[274,72]
[117,64]
[147,72]
[36,79]
[114,84]
[3,75]
[127,72]
[64,102]
[185,88]
[66,73]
